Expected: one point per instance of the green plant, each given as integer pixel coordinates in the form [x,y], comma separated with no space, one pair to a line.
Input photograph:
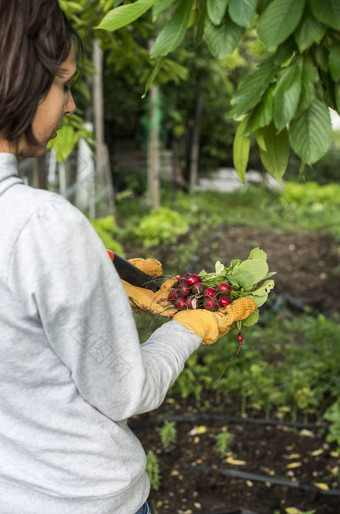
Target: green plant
[279,367]
[106,228]
[163,225]
[70,132]
[262,386]
[224,440]
[152,469]
[187,383]
[310,193]
[168,435]
[333,416]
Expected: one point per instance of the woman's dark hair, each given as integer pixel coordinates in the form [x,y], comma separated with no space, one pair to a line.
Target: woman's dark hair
[35,38]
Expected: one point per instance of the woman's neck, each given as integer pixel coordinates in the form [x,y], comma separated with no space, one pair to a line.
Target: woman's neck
[8,146]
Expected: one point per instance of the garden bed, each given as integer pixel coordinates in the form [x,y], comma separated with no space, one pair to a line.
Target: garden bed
[194,476]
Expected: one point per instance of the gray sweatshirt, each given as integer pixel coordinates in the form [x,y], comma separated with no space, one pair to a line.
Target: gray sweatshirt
[72,369]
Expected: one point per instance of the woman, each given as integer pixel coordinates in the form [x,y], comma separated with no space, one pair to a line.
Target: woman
[72,369]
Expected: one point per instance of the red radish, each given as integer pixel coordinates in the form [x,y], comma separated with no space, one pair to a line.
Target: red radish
[197,288]
[193,279]
[191,293]
[183,289]
[211,304]
[224,301]
[172,296]
[180,303]
[209,292]
[184,276]
[192,303]
[224,288]
[239,339]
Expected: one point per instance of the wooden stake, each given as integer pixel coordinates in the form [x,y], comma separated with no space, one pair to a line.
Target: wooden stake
[153,146]
[102,155]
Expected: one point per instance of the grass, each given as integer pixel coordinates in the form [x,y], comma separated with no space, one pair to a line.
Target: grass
[289,365]
[298,206]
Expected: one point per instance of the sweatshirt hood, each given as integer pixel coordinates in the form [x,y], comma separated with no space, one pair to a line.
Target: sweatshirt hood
[8,172]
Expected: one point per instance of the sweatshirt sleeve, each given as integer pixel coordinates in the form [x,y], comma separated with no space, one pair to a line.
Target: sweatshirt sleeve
[62,277]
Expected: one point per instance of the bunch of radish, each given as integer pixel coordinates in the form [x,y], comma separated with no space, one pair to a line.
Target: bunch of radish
[215,290]
[191,293]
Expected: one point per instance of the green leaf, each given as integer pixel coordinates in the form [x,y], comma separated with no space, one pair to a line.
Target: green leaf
[242,11]
[159,7]
[309,78]
[124,15]
[250,90]
[334,61]
[74,6]
[275,157]
[200,24]
[262,114]
[65,142]
[284,52]
[287,96]
[256,254]
[309,70]
[260,140]
[193,15]
[270,274]
[327,12]
[224,38]
[251,271]
[279,21]
[153,75]
[311,133]
[322,57]
[262,5]
[241,149]
[247,278]
[264,288]
[259,300]
[260,295]
[217,10]
[174,31]
[219,267]
[310,31]
[252,319]
[329,88]
[337,96]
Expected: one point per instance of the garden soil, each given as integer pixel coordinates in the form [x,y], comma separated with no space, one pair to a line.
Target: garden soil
[192,473]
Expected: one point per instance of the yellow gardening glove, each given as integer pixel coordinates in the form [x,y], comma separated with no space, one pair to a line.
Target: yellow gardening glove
[210,326]
[145,301]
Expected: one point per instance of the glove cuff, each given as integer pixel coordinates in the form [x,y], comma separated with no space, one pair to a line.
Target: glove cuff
[202,322]
[150,267]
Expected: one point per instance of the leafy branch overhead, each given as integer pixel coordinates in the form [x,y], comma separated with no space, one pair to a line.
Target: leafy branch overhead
[85,15]
[285,101]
